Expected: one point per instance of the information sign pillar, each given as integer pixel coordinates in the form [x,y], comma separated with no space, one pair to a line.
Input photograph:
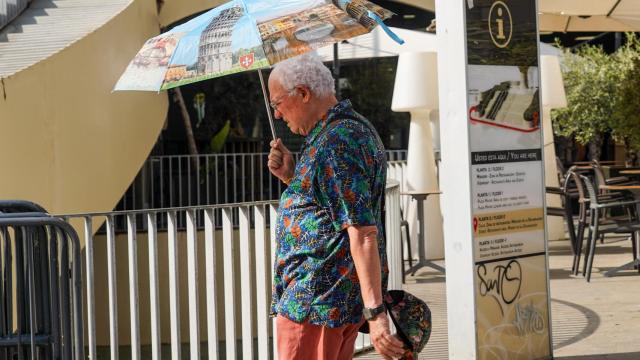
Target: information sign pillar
[492,180]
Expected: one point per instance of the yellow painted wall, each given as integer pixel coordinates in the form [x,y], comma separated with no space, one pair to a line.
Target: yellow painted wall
[174,10]
[66,141]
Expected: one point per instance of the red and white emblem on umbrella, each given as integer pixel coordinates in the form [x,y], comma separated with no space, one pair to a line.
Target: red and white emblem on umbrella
[246,60]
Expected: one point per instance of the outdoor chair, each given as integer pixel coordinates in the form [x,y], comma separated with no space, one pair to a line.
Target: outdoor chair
[565,210]
[601,179]
[578,192]
[570,194]
[600,223]
[572,181]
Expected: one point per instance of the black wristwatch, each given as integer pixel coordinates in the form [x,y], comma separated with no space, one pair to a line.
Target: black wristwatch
[370,313]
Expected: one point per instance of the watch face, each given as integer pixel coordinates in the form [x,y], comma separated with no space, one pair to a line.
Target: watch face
[370,313]
[367,313]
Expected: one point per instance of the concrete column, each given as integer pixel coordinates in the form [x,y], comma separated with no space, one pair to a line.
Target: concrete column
[455,179]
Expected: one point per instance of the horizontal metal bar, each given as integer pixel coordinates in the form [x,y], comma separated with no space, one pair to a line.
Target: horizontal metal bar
[25,339]
[169,209]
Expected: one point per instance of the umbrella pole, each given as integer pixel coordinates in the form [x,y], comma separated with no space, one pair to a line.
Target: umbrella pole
[266,104]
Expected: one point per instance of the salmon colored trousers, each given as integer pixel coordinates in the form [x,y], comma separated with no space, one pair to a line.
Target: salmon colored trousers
[313,342]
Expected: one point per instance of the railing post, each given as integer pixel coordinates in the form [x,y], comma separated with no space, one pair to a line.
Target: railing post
[273,215]
[192,275]
[133,286]
[246,261]
[91,322]
[113,297]
[174,296]
[229,285]
[152,234]
[210,258]
[262,280]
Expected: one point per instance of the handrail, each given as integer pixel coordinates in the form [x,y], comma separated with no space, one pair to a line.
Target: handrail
[9,13]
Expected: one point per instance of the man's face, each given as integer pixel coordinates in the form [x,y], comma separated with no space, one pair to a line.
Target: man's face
[289,106]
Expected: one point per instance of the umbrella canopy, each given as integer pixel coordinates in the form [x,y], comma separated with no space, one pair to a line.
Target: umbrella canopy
[245,35]
[577,15]
[590,15]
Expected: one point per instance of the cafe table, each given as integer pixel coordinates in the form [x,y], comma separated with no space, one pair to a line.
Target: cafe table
[420,197]
[635,172]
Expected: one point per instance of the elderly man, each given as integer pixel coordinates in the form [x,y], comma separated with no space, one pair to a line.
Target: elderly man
[331,267]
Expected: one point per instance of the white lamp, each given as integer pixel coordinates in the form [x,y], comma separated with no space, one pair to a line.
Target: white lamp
[416,91]
[553,96]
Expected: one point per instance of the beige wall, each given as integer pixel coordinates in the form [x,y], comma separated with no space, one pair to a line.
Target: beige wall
[66,141]
[174,10]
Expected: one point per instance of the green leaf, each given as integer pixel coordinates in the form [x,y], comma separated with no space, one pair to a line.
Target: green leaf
[218,140]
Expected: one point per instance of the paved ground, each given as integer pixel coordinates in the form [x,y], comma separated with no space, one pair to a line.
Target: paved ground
[597,320]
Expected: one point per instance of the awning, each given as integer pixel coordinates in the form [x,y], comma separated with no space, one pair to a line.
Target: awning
[577,15]
[589,15]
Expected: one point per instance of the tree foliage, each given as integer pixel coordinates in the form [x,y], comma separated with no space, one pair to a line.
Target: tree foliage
[625,126]
[589,84]
[602,94]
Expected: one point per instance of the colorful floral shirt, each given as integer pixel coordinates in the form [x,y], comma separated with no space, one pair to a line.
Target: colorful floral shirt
[339,181]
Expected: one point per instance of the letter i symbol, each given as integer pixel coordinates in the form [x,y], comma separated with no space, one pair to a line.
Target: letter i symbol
[500,22]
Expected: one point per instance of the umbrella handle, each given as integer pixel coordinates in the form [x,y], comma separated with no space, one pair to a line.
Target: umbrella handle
[266,104]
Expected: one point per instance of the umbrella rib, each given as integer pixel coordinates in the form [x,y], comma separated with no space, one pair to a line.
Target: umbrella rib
[566,27]
[613,8]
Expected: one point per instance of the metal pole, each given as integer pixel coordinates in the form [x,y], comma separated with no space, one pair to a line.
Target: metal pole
[266,104]
[336,69]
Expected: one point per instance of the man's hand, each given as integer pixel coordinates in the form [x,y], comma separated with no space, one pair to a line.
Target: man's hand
[280,161]
[387,345]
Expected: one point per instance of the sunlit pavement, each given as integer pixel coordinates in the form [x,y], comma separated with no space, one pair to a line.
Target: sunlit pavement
[597,320]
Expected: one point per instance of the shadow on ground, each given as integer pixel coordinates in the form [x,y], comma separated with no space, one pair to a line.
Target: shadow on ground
[620,356]
[578,322]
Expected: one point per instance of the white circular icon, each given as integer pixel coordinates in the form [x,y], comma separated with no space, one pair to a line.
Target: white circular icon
[500,24]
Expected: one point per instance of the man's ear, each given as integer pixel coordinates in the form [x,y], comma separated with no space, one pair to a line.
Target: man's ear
[305,93]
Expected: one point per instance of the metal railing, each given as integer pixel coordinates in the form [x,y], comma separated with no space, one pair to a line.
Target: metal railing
[239,302]
[397,170]
[186,180]
[41,289]
[10,9]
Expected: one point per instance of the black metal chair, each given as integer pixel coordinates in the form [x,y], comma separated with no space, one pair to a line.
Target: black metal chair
[600,223]
[568,193]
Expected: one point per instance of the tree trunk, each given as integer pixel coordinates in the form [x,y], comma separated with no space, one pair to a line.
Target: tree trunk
[630,156]
[595,147]
[191,140]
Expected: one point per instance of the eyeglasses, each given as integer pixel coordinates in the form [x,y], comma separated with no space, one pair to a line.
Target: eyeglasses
[276,103]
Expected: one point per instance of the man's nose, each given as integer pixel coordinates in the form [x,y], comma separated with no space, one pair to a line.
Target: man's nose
[277,114]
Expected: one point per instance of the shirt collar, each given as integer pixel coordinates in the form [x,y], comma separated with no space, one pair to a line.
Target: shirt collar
[331,115]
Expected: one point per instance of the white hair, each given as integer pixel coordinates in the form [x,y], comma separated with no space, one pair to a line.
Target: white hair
[307,70]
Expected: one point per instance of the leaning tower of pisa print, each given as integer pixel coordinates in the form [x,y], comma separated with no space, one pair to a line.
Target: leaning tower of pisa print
[214,53]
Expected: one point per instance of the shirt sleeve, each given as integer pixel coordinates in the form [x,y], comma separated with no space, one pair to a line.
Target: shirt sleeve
[345,181]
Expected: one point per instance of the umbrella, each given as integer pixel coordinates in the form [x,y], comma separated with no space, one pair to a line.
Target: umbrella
[246,35]
[590,15]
